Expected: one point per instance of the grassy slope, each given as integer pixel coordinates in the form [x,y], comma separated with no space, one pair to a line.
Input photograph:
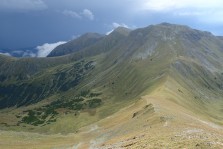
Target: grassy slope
[174,106]
[75,45]
[179,82]
[156,120]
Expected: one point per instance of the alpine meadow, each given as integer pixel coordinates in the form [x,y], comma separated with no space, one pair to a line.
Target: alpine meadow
[159,86]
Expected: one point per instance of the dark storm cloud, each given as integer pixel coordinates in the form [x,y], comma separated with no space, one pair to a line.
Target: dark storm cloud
[27,23]
[22,5]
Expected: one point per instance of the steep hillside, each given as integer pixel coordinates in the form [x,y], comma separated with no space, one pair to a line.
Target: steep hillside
[75,45]
[162,76]
[19,75]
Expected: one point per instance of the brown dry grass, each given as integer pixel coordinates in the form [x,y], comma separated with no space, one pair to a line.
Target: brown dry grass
[157,120]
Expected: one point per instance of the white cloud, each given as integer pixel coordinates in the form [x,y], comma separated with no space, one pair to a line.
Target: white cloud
[167,5]
[29,54]
[86,13]
[109,32]
[116,25]
[7,54]
[189,13]
[46,48]
[71,14]
[209,12]
[22,5]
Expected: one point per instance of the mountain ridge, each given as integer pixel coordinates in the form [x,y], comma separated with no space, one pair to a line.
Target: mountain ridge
[76,44]
[164,73]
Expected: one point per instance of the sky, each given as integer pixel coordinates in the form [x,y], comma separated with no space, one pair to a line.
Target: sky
[40,23]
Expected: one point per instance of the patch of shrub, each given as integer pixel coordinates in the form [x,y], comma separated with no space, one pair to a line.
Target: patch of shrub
[45,115]
[93,103]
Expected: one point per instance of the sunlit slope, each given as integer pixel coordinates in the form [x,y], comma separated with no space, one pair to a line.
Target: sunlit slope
[41,75]
[157,119]
[170,63]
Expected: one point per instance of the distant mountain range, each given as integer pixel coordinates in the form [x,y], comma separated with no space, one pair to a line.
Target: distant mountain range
[160,76]
[75,45]
[39,51]
[25,52]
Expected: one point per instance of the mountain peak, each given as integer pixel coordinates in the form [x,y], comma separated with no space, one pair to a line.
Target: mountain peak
[122,30]
[178,27]
[171,25]
[76,44]
[166,24]
[171,31]
[91,35]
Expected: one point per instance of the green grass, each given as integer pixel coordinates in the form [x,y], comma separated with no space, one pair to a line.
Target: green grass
[44,84]
[49,113]
[99,81]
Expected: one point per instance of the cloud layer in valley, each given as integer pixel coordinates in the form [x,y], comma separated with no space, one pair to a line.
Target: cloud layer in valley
[46,48]
[7,54]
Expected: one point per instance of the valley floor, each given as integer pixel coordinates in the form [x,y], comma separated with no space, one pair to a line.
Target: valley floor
[151,122]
